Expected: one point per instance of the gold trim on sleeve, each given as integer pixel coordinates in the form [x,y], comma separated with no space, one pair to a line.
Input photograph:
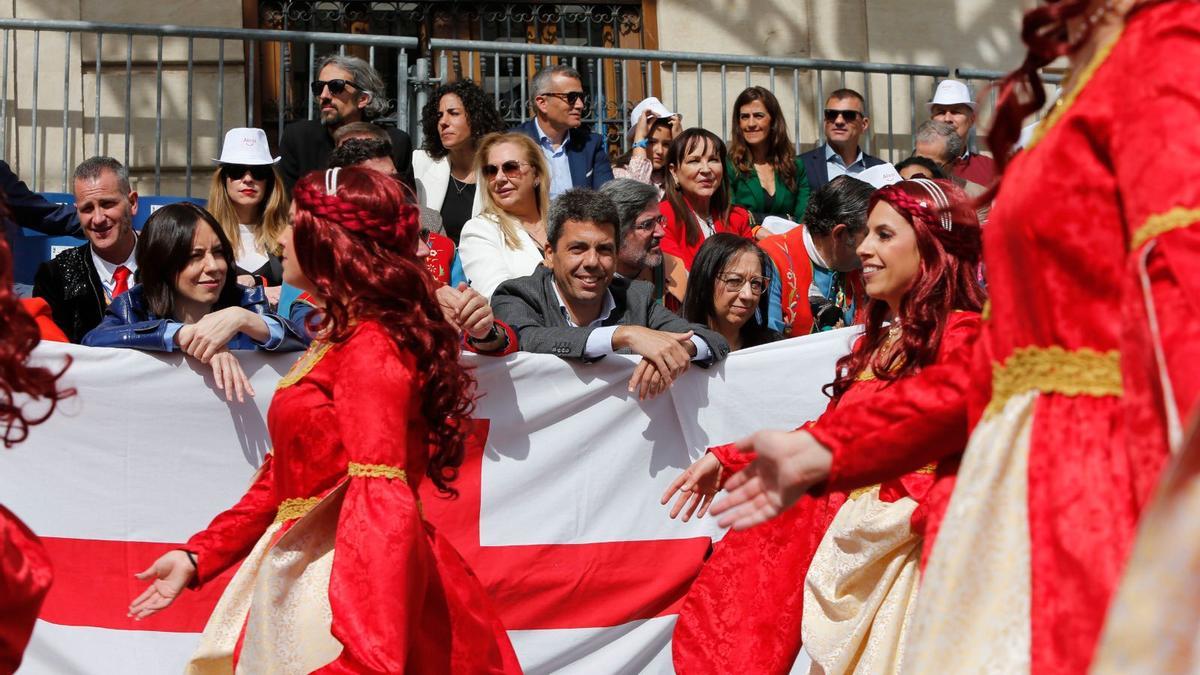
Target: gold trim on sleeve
[1161,223]
[357,470]
[305,364]
[1067,99]
[291,509]
[1054,370]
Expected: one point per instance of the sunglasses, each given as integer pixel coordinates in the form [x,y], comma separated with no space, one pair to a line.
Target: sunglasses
[511,169]
[735,283]
[257,171]
[851,116]
[649,224]
[335,86]
[571,97]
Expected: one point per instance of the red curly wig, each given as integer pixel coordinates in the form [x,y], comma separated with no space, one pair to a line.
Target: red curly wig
[358,248]
[947,280]
[18,336]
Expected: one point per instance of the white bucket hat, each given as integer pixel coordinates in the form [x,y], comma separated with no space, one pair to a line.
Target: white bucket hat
[952,92]
[246,146]
[653,105]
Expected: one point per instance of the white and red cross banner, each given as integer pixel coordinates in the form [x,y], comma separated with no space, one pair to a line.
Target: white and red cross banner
[558,510]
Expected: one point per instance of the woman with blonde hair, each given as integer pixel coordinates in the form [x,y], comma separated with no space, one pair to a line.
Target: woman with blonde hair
[252,212]
[507,239]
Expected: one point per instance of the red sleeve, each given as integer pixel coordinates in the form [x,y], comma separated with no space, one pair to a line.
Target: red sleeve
[739,222]
[730,458]
[908,424]
[40,311]
[675,233]
[510,347]
[25,578]
[231,535]
[383,568]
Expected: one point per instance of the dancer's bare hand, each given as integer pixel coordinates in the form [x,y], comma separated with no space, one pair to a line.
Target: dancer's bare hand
[171,574]
[697,486]
[788,464]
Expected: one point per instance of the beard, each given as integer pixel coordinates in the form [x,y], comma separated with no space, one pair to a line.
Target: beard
[331,117]
[651,257]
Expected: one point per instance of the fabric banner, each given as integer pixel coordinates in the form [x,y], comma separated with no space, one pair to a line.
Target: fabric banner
[558,509]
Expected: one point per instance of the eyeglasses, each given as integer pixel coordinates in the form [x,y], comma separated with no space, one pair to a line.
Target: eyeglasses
[571,97]
[734,283]
[650,224]
[511,169]
[257,171]
[335,86]
[850,116]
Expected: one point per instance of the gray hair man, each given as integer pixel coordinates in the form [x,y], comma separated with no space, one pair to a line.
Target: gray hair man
[577,157]
[941,144]
[347,90]
[574,306]
[952,104]
[642,228]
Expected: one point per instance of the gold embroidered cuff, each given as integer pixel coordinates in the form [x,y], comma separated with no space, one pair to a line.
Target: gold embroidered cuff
[1054,370]
[1161,223]
[357,470]
[291,509]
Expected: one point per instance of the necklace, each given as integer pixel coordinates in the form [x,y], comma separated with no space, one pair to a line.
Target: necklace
[459,185]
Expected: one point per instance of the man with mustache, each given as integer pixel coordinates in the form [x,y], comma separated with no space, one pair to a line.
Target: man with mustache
[79,283]
[641,229]
[347,89]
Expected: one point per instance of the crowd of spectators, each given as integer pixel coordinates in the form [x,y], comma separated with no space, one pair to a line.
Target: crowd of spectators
[680,250]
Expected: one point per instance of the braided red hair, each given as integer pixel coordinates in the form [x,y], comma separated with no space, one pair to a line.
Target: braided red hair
[948,280]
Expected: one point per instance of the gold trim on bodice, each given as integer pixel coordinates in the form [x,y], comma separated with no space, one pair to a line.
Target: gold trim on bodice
[1054,370]
[1067,99]
[1161,223]
[856,493]
[291,509]
[305,364]
[357,470]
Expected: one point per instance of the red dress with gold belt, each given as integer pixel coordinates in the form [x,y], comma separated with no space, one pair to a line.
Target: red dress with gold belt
[340,572]
[743,613]
[1092,254]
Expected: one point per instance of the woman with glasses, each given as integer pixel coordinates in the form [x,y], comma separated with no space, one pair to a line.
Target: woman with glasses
[248,200]
[764,173]
[507,239]
[841,569]
[697,202]
[456,117]
[727,290]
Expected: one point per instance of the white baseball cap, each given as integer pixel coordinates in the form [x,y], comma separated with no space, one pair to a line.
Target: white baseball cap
[653,105]
[952,92]
[246,146]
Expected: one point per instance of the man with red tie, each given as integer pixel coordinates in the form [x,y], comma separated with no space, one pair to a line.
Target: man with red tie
[80,282]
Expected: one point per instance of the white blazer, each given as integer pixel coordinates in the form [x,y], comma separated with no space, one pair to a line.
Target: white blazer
[487,262]
[433,179]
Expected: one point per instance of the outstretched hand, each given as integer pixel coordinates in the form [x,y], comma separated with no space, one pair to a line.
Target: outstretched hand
[697,486]
[171,574]
[788,464]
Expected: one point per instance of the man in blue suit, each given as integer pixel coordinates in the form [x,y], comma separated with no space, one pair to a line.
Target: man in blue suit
[577,157]
[845,122]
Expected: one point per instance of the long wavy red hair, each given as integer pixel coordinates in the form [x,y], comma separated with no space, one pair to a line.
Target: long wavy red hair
[947,280]
[358,248]
[18,337]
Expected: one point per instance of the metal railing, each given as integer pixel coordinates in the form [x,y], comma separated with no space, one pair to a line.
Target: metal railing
[191,66]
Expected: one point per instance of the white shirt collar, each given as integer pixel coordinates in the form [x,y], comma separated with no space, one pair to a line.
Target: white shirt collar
[105,269]
[813,254]
[609,305]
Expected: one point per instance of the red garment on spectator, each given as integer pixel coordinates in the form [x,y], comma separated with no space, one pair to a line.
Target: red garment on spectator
[350,449]
[25,577]
[1092,348]
[976,168]
[40,311]
[675,242]
[795,269]
[742,614]
[440,258]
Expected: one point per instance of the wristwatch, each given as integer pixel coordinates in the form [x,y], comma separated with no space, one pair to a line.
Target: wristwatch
[494,334]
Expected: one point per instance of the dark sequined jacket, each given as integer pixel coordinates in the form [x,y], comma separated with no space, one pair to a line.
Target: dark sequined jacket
[72,288]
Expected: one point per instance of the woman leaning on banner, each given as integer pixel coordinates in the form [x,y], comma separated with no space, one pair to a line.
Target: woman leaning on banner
[697,202]
[728,290]
[897,421]
[457,116]
[186,299]
[508,238]
[25,569]
[377,405]
[765,175]
[248,200]
[1096,378]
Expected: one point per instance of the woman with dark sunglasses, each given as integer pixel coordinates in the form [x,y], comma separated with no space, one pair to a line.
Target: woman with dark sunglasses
[507,239]
[763,171]
[252,212]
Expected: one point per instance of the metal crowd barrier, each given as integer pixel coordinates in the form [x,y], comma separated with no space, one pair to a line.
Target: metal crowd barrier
[284,61]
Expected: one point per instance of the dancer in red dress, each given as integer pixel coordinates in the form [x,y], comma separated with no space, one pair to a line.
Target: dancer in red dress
[1088,358]
[378,404]
[25,571]
[895,393]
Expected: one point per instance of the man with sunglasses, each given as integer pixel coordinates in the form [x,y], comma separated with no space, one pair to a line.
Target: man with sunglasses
[845,123]
[577,157]
[346,90]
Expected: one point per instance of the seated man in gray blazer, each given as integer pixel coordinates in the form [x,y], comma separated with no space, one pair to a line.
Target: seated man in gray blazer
[574,308]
